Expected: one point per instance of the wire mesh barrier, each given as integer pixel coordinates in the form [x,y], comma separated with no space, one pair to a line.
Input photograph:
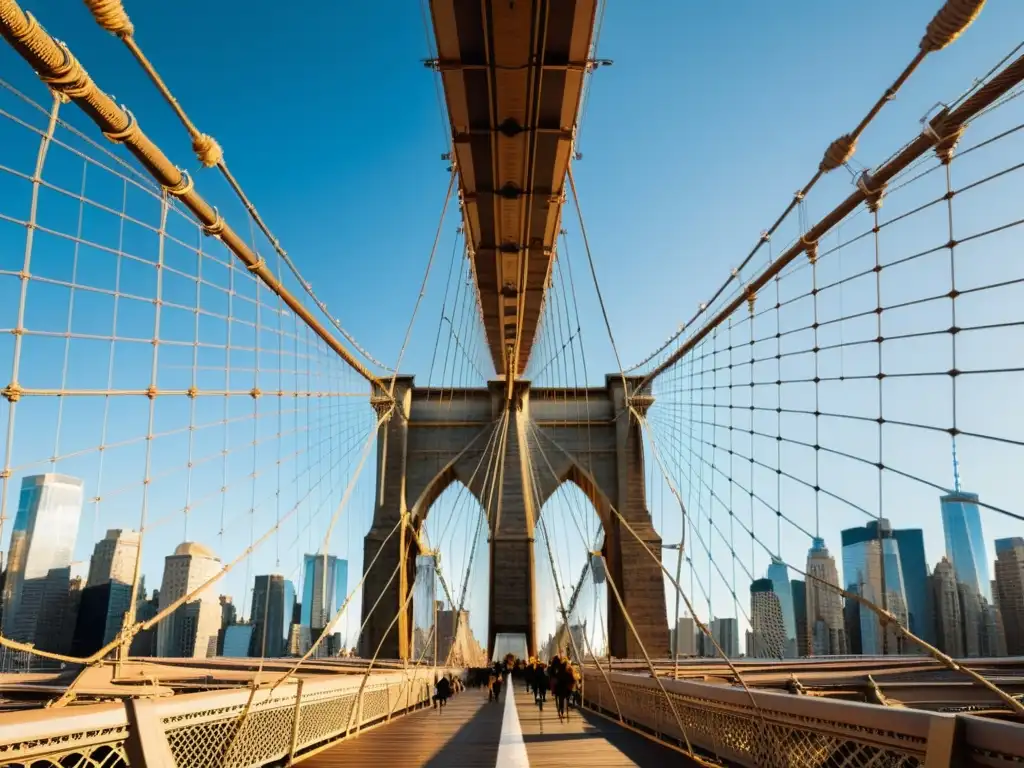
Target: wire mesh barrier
[778,729]
[842,382]
[199,729]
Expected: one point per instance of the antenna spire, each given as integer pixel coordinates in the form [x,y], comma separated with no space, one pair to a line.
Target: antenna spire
[956,470]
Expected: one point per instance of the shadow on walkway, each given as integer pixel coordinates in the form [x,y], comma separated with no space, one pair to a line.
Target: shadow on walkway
[476,741]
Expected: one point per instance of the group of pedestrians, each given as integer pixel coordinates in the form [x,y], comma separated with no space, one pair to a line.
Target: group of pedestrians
[558,676]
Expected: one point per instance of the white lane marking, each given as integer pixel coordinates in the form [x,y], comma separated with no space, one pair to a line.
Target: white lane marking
[511,748]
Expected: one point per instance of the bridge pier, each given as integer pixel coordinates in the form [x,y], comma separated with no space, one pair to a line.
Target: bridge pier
[512,466]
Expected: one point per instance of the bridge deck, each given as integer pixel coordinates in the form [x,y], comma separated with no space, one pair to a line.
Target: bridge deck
[469,730]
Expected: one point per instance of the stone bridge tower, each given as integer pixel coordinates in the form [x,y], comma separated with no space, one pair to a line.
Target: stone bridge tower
[513,455]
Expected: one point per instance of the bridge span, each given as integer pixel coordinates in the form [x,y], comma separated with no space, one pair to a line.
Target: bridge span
[167,365]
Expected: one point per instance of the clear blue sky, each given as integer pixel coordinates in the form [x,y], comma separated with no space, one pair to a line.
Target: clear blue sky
[693,142]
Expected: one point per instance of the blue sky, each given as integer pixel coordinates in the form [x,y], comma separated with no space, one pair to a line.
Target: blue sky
[693,141]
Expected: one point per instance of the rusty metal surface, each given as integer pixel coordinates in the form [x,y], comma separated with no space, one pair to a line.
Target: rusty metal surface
[513,76]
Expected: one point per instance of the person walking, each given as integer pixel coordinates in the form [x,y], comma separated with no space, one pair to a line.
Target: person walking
[442,690]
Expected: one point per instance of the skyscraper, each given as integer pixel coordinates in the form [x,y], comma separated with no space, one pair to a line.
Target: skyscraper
[324,589]
[191,630]
[273,599]
[237,640]
[826,630]
[108,592]
[686,636]
[799,589]
[871,559]
[914,565]
[778,573]
[965,546]
[113,558]
[768,637]
[1010,591]
[726,632]
[946,600]
[972,618]
[39,559]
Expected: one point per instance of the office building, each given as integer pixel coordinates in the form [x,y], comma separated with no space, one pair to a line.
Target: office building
[871,568]
[237,640]
[779,575]
[799,589]
[972,613]
[993,635]
[101,616]
[191,630]
[726,632]
[914,565]
[144,642]
[114,558]
[824,606]
[686,636]
[1009,583]
[965,545]
[273,601]
[38,581]
[324,589]
[768,638]
[946,601]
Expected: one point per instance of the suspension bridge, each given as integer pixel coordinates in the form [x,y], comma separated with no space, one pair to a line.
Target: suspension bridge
[166,366]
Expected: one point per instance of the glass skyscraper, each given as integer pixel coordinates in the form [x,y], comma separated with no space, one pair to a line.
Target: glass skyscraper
[324,589]
[914,565]
[871,559]
[39,558]
[778,574]
[273,602]
[965,545]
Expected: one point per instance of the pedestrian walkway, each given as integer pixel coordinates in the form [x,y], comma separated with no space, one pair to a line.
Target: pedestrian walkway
[474,733]
[584,739]
[465,734]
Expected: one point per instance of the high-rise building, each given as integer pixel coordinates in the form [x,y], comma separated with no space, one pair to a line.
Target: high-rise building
[108,592]
[1010,591]
[871,568]
[993,636]
[144,642]
[778,573]
[972,618]
[824,606]
[191,630]
[726,632]
[237,640]
[914,565]
[946,602]
[965,545]
[114,558]
[799,590]
[100,616]
[324,589]
[273,600]
[768,630]
[39,560]
[686,637]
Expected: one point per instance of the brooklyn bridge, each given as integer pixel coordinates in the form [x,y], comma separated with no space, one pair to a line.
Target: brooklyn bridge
[788,533]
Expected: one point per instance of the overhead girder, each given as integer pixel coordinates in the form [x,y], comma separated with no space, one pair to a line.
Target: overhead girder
[513,77]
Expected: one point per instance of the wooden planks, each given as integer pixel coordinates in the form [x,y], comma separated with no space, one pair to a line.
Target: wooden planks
[585,739]
[465,734]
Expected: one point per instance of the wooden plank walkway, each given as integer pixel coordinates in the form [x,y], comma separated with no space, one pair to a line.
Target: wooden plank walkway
[466,734]
[585,739]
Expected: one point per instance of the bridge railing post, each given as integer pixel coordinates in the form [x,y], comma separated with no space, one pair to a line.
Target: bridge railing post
[296,713]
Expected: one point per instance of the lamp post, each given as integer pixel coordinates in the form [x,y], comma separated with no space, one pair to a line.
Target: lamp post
[675,626]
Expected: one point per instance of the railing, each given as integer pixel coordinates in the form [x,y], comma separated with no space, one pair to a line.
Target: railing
[775,730]
[201,730]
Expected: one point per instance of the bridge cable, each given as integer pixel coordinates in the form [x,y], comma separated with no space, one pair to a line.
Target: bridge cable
[112,17]
[946,26]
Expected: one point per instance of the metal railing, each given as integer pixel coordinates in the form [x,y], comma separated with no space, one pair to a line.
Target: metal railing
[765,729]
[201,730]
